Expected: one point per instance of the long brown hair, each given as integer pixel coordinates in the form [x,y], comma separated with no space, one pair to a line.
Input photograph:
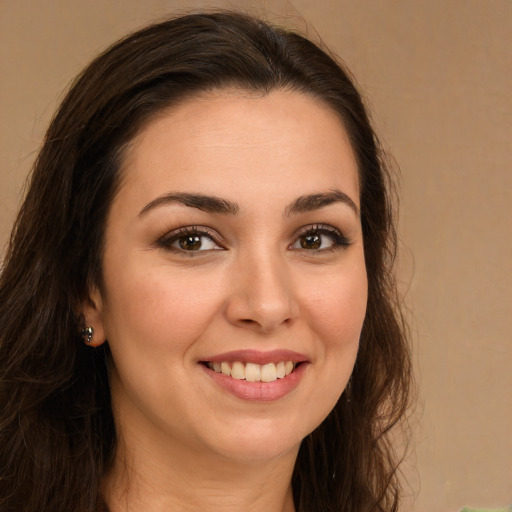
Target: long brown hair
[57,434]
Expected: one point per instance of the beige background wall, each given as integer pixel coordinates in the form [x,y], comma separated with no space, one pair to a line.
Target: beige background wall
[439,77]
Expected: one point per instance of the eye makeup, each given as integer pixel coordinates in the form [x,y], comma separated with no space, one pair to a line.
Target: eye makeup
[319,237]
[191,240]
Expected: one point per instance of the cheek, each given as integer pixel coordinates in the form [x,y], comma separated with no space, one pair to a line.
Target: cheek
[157,307]
[336,311]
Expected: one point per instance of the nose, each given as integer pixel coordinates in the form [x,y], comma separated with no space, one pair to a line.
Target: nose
[262,296]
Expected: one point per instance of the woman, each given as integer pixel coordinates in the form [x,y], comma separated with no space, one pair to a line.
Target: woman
[197,310]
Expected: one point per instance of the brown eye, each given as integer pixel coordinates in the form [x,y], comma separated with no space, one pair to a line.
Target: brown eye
[311,241]
[189,239]
[190,242]
[320,238]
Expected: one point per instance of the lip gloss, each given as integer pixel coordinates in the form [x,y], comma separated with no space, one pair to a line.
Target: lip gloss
[258,391]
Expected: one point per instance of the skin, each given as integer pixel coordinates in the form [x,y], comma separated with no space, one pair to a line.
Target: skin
[185,443]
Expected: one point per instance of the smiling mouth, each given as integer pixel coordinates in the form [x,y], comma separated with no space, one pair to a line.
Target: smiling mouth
[252,372]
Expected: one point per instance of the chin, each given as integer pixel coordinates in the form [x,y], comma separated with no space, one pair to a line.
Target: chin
[247,442]
[259,452]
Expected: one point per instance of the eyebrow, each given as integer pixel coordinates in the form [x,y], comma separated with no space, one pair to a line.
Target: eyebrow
[316,201]
[212,204]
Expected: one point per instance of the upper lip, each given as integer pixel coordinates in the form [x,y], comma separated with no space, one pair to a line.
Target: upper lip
[257,356]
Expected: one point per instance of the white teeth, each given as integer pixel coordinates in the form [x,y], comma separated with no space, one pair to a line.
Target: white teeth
[238,371]
[225,369]
[268,372]
[252,372]
[280,370]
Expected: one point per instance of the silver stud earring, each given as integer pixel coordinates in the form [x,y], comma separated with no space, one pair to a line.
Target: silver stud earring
[87,333]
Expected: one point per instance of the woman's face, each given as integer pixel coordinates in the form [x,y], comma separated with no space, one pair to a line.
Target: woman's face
[233,253]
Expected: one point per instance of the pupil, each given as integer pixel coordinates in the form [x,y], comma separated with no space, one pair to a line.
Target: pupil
[311,242]
[190,242]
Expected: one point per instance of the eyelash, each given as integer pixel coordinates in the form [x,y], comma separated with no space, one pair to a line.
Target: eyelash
[339,240]
[167,241]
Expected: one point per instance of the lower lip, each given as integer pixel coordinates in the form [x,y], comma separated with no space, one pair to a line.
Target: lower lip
[258,391]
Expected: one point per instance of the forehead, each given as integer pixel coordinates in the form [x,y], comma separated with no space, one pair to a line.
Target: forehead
[240,138]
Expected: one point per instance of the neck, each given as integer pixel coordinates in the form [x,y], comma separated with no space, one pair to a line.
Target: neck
[147,477]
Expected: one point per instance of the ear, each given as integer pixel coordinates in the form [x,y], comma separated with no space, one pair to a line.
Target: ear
[92,316]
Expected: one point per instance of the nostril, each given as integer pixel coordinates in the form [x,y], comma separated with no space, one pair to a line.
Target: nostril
[255,310]
[247,321]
